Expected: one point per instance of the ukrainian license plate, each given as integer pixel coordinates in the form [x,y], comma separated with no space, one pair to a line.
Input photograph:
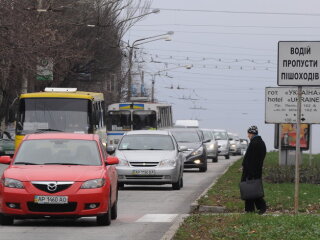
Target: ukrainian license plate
[143,172]
[51,199]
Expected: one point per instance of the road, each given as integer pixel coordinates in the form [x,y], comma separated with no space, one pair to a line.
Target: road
[144,212]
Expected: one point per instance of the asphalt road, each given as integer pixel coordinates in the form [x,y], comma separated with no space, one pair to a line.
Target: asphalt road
[144,212]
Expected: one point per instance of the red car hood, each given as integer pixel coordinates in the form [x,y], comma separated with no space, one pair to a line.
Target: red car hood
[54,173]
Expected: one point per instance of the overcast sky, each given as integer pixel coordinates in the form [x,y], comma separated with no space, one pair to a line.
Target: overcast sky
[232,45]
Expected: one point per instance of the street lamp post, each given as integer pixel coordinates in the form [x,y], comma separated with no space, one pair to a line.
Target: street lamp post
[189,66]
[131,48]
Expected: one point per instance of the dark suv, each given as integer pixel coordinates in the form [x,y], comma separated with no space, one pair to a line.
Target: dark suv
[196,153]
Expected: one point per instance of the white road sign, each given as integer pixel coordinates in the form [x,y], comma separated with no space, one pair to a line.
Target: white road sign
[298,63]
[281,105]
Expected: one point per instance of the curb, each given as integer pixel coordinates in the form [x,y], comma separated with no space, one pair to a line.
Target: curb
[195,206]
[209,209]
[173,229]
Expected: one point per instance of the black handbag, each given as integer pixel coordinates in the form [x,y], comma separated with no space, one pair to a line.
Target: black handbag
[251,189]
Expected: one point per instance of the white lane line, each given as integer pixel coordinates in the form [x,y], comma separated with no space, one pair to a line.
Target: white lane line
[157,218]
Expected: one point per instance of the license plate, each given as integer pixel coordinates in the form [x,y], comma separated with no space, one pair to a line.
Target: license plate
[51,199]
[9,152]
[143,172]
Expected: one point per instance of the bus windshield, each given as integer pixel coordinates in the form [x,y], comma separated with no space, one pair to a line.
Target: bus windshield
[54,114]
[119,120]
[144,120]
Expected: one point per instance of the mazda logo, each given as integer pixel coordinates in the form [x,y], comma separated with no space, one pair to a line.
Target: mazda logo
[52,187]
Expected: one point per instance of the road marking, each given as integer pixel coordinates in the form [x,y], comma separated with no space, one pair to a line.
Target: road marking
[157,218]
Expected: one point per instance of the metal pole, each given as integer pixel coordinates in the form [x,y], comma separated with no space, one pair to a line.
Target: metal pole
[152,89]
[298,154]
[129,73]
[279,145]
[310,145]
[142,85]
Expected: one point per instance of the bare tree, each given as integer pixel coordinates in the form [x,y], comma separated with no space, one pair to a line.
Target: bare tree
[81,37]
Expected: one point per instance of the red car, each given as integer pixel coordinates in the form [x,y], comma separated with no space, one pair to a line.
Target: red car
[59,175]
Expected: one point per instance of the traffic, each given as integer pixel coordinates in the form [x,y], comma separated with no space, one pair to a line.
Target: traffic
[62,172]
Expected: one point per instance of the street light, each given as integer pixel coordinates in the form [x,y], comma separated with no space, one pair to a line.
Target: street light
[139,42]
[188,66]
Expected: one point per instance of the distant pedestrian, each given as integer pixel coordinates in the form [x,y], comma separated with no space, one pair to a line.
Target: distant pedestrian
[252,167]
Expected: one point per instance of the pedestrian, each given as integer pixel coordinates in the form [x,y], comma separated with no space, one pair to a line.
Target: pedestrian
[252,167]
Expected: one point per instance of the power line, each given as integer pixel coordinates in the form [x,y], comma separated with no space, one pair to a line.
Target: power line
[226,26]
[232,33]
[213,53]
[240,12]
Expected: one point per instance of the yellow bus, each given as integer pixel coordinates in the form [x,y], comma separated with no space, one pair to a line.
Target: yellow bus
[60,110]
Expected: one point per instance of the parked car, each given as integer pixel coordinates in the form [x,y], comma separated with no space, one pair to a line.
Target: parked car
[244,145]
[196,151]
[6,143]
[59,175]
[235,146]
[149,157]
[212,145]
[221,136]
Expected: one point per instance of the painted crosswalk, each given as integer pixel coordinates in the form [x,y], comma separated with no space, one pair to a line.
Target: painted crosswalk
[157,218]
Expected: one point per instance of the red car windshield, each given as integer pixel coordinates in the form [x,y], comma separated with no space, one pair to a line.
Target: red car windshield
[58,152]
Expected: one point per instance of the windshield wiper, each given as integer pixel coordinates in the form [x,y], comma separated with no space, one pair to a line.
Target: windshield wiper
[40,130]
[26,163]
[130,149]
[154,149]
[64,164]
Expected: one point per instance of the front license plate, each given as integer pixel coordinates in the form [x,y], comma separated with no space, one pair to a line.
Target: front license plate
[51,199]
[143,172]
[9,152]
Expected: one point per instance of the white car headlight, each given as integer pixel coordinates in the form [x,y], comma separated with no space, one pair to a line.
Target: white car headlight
[199,151]
[123,162]
[95,183]
[233,145]
[13,183]
[211,146]
[167,163]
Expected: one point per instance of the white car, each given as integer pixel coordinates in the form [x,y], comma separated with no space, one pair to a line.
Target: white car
[212,146]
[235,145]
[150,157]
[221,136]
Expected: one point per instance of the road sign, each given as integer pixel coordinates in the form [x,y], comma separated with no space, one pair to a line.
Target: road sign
[281,105]
[298,63]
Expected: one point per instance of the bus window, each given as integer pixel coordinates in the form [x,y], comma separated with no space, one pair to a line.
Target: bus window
[60,114]
[144,119]
[119,120]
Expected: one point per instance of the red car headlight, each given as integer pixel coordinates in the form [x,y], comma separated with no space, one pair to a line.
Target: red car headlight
[12,183]
[94,183]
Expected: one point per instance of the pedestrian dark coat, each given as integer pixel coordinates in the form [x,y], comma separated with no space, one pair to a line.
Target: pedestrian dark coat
[253,159]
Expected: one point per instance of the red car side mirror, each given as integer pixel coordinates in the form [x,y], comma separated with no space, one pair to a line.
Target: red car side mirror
[6,160]
[111,160]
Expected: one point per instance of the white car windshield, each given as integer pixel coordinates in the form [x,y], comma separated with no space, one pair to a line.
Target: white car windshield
[146,142]
[58,152]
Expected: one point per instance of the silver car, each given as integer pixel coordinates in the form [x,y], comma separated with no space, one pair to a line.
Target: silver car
[221,136]
[212,146]
[150,157]
[235,146]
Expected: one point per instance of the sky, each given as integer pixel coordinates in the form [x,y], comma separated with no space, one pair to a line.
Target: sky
[232,46]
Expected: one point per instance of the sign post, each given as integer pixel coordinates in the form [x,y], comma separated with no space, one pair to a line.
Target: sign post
[299,65]
[298,155]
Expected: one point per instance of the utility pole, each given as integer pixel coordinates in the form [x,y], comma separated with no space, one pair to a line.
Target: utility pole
[152,88]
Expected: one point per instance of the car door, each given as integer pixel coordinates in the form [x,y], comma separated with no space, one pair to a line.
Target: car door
[111,172]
